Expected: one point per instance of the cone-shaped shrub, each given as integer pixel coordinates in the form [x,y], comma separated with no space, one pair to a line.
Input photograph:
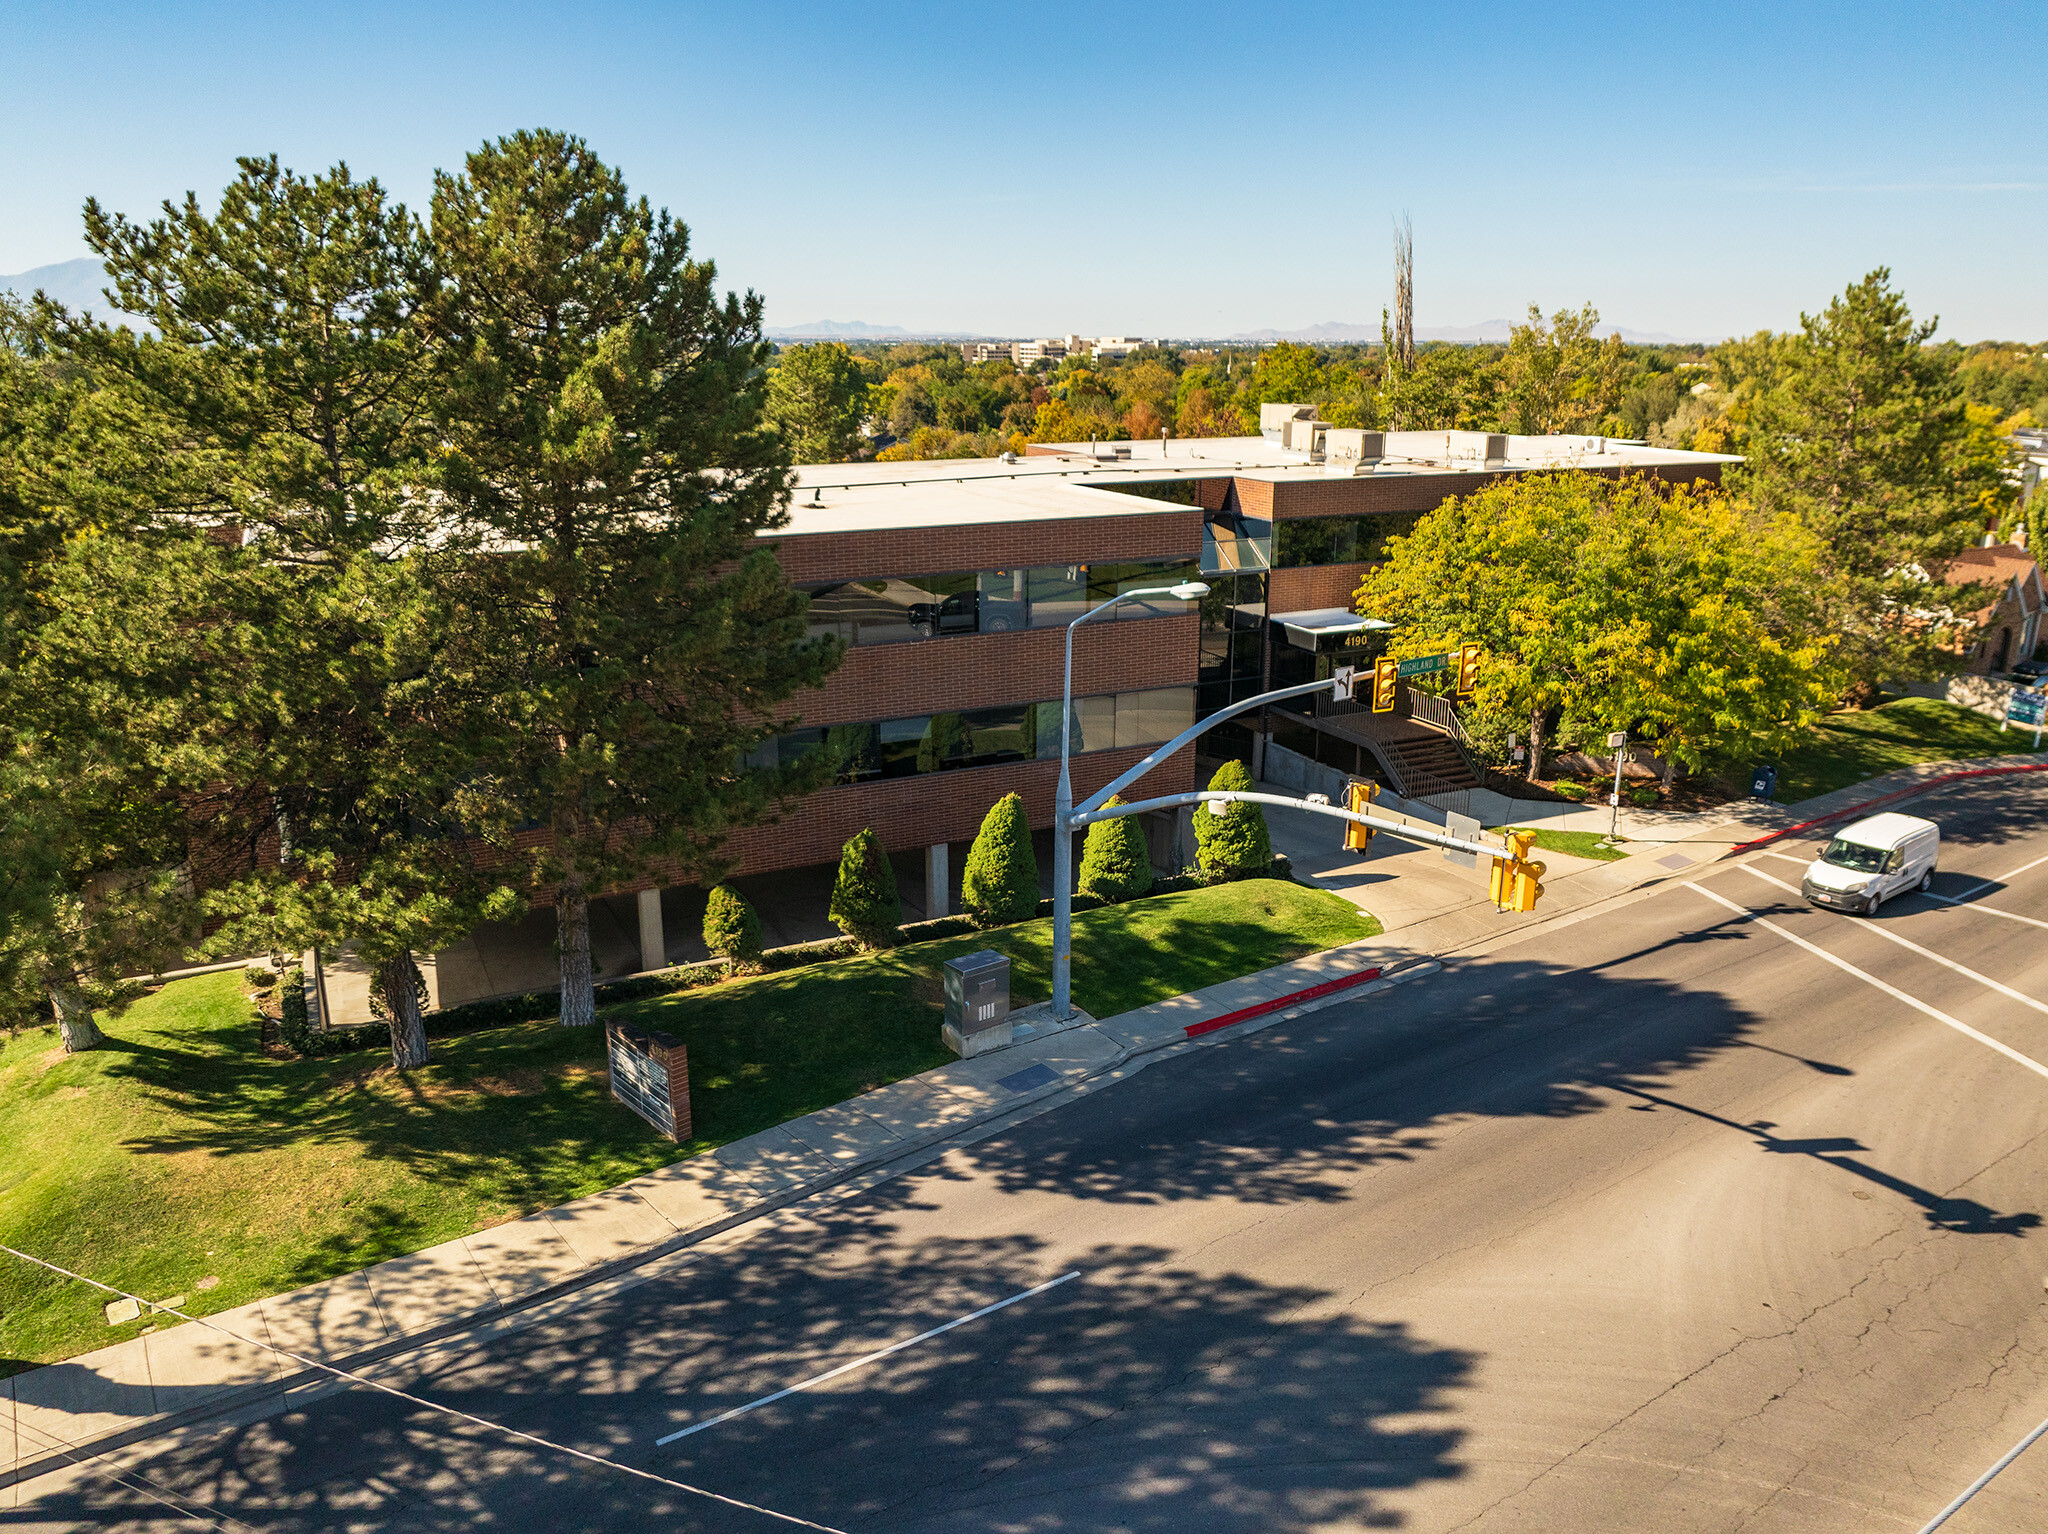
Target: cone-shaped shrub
[1115,862]
[864,904]
[732,928]
[1000,885]
[1233,845]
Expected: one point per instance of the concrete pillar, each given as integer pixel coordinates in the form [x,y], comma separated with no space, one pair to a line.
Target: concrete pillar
[653,951]
[938,881]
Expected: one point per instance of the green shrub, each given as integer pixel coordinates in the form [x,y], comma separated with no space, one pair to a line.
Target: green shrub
[864,902]
[1233,845]
[732,928]
[1643,798]
[1571,790]
[294,1024]
[1116,864]
[1000,885]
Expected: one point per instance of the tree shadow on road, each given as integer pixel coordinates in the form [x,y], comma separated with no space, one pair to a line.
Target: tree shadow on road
[1141,1396]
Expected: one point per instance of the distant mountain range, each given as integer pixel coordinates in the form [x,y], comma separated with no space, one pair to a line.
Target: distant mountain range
[77,285]
[74,284]
[1336,332]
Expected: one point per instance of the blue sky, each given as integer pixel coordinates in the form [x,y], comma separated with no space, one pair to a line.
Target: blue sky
[1140,168]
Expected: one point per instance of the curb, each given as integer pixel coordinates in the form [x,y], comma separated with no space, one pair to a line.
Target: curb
[1911,790]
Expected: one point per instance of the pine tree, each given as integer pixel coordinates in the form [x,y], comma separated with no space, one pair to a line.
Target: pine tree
[1116,864]
[606,462]
[1000,885]
[732,927]
[263,710]
[1233,845]
[864,902]
[1853,431]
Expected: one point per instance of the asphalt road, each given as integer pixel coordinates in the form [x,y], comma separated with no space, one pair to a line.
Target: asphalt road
[1656,1220]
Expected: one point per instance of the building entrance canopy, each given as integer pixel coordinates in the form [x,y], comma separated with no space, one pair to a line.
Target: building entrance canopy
[1306,630]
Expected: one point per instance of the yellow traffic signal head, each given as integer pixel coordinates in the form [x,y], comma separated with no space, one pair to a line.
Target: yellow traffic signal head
[1359,799]
[1468,669]
[1386,678]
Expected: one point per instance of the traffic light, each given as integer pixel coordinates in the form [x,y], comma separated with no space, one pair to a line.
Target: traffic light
[1385,676]
[1468,669]
[1514,882]
[1359,800]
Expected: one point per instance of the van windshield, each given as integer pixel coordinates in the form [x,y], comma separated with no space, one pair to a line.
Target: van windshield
[1854,855]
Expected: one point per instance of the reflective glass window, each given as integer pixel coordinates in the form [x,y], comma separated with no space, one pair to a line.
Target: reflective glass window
[856,750]
[1004,734]
[1154,716]
[1005,600]
[901,743]
[1059,594]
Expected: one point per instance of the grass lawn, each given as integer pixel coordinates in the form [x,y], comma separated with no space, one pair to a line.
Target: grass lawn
[1850,746]
[180,1153]
[1576,844]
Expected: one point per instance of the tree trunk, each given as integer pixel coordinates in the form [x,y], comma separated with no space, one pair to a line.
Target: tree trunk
[1670,771]
[1535,743]
[402,1001]
[572,940]
[75,1025]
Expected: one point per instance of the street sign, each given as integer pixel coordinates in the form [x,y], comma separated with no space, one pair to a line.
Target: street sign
[1346,679]
[1466,829]
[1618,738]
[1422,665]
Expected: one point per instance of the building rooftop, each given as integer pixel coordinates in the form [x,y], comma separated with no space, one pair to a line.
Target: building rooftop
[1058,480]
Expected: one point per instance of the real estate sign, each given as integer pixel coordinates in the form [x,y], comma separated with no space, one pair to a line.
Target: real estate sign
[651,1075]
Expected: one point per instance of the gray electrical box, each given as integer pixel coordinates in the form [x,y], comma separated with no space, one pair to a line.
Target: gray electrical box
[977,992]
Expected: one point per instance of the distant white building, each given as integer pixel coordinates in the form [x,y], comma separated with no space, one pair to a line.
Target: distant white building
[1115,347]
[1024,353]
[984,351]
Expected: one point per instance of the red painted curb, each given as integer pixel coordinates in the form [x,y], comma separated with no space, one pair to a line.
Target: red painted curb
[1898,793]
[1328,987]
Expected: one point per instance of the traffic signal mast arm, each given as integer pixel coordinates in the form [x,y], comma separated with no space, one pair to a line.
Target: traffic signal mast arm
[1421,835]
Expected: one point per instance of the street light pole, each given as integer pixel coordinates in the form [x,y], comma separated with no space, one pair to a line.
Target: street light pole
[1063,805]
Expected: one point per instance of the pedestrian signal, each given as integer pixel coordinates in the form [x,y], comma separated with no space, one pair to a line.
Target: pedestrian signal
[1359,800]
[1468,669]
[1385,677]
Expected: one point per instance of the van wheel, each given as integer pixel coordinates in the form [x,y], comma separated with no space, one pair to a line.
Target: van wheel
[1927,881]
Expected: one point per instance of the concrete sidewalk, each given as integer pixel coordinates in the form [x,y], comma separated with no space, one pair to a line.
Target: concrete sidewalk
[192,1377]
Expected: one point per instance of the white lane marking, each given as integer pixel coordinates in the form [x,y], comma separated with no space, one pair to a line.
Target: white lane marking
[1869,979]
[861,1363]
[1967,898]
[2015,873]
[1985,884]
[1965,903]
[1925,953]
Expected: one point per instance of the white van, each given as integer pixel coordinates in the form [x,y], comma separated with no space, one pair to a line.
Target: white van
[1869,862]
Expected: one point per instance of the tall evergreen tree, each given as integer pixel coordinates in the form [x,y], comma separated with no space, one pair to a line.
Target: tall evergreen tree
[816,395]
[1853,432]
[254,652]
[607,469]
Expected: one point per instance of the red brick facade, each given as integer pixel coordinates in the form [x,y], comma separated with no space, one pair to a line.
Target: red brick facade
[1313,586]
[1173,534]
[897,681]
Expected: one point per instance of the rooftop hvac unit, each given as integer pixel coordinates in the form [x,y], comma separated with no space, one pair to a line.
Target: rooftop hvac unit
[1350,450]
[1273,420]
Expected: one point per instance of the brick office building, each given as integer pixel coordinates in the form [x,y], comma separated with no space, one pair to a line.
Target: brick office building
[953,581]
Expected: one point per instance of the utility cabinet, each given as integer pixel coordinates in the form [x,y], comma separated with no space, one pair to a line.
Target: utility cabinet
[977,1003]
